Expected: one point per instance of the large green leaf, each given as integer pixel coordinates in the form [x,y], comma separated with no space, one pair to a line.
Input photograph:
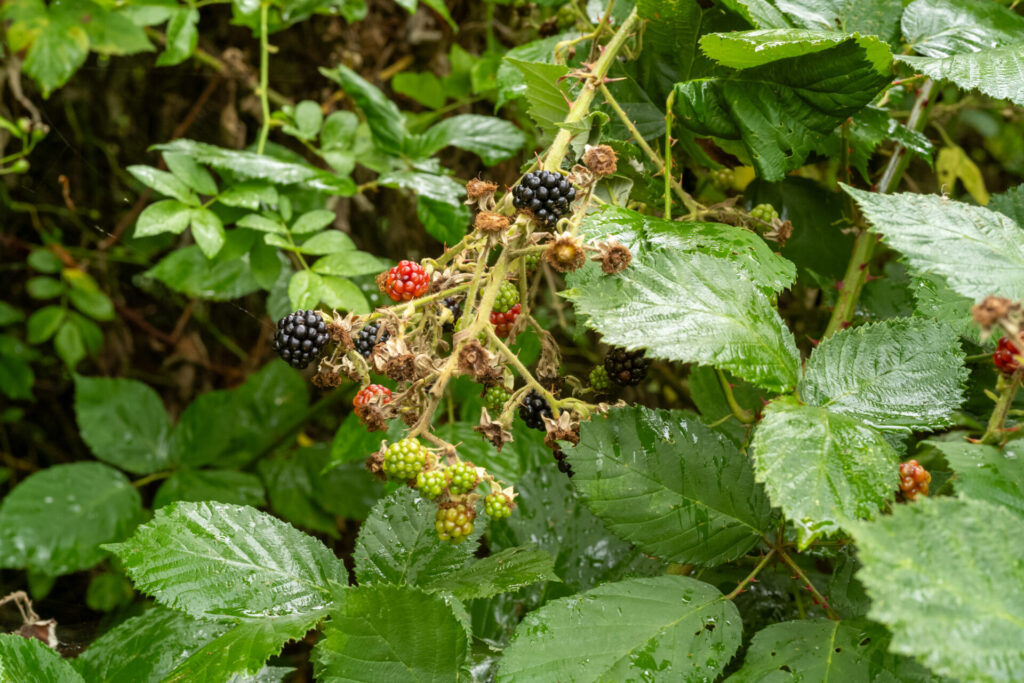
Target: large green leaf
[146,648]
[677,626]
[383,115]
[814,650]
[784,109]
[28,659]
[669,484]
[55,521]
[671,36]
[398,544]
[508,570]
[546,92]
[947,577]
[694,308]
[899,375]
[200,437]
[380,634]
[821,468]
[643,234]
[227,276]
[976,45]
[867,17]
[491,138]
[987,473]
[242,650]
[249,165]
[124,423]
[215,559]
[978,251]
[223,486]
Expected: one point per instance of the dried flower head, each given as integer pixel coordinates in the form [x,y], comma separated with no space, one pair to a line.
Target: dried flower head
[493,431]
[613,257]
[565,253]
[480,193]
[565,428]
[602,160]
[489,222]
[990,310]
[326,378]
[401,368]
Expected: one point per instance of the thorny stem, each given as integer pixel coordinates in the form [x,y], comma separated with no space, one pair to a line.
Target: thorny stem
[738,411]
[750,577]
[581,106]
[523,371]
[864,246]
[807,582]
[264,76]
[666,170]
[996,429]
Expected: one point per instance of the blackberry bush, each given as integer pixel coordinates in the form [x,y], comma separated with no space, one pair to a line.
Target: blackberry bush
[301,338]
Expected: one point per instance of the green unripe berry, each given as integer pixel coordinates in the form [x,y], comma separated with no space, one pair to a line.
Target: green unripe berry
[495,398]
[722,178]
[462,478]
[599,379]
[455,522]
[532,260]
[764,212]
[431,483]
[404,459]
[497,505]
[508,296]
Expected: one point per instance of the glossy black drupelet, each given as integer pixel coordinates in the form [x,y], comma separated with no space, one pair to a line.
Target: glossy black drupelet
[545,194]
[301,338]
[626,368]
[367,339]
[453,304]
[563,464]
[533,409]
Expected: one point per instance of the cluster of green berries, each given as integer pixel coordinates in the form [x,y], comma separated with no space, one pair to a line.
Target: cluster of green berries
[497,505]
[495,399]
[431,483]
[508,296]
[462,478]
[405,459]
[722,178]
[532,260]
[599,379]
[764,212]
[454,521]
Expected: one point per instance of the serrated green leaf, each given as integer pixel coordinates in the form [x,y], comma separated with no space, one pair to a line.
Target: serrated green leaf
[953,597]
[28,659]
[784,109]
[166,215]
[255,221]
[200,437]
[249,165]
[243,650]
[671,37]
[349,264]
[694,308]
[182,37]
[444,221]
[672,486]
[222,486]
[55,520]
[376,634]
[291,485]
[248,195]
[123,422]
[746,49]
[163,182]
[547,94]
[383,116]
[508,570]
[398,544]
[491,138]
[978,251]
[987,473]
[215,559]
[226,276]
[899,375]
[511,82]
[676,625]
[821,468]
[814,650]
[57,42]
[207,231]
[312,221]
[144,649]
[191,173]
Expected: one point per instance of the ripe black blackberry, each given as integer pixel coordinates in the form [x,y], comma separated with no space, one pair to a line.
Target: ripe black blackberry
[367,339]
[453,304]
[301,337]
[627,368]
[533,409]
[545,194]
[563,464]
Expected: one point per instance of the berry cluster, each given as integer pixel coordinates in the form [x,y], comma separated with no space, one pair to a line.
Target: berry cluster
[545,194]
[495,399]
[301,337]
[722,178]
[503,322]
[764,212]
[497,505]
[462,478]
[408,280]
[508,296]
[367,394]
[1005,356]
[914,480]
[627,368]
[454,521]
[405,459]
[563,463]
[533,410]
[432,483]
[532,260]
[599,379]
[367,339]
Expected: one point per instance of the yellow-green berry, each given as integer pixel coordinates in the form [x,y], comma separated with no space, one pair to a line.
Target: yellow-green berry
[497,505]
[454,522]
[508,296]
[764,212]
[722,178]
[599,379]
[431,483]
[462,478]
[404,459]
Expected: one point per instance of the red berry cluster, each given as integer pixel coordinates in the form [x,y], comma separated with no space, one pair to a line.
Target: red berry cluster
[503,322]
[406,281]
[1005,356]
[367,395]
[914,480]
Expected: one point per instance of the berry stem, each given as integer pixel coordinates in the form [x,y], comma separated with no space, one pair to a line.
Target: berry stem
[996,429]
[581,106]
[738,411]
[264,76]
[864,245]
[750,577]
[523,371]
[807,582]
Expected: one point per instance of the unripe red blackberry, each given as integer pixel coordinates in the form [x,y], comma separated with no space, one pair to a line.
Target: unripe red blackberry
[408,280]
[454,522]
[627,368]
[367,339]
[1005,356]
[367,394]
[503,322]
[301,338]
[508,296]
[533,410]
[914,480]
[545,194]
[404,459]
